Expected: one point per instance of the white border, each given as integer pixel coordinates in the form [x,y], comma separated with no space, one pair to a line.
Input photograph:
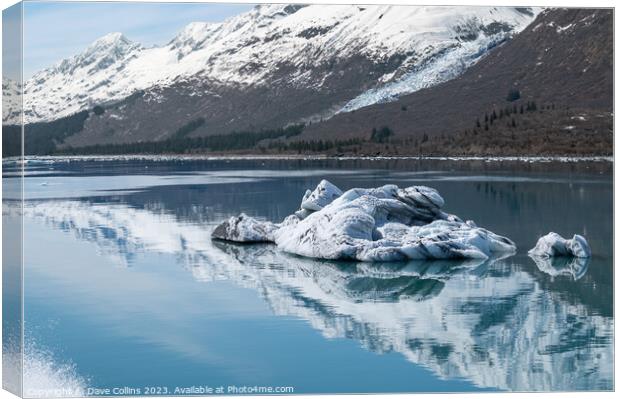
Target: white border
[544,3]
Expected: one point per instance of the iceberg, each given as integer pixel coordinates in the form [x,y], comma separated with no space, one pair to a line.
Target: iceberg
[322,195]
[554,244]
[243,228]
[384,224]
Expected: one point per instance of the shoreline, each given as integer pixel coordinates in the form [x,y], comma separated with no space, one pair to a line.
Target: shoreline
[183,157]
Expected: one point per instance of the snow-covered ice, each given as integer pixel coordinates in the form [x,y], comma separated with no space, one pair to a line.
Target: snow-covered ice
[243,228]
[554,244]
[386,224]
[322,195]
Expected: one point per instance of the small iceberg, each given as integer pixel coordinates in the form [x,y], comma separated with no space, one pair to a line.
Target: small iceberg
[383,224]
[553,244]
[243,228]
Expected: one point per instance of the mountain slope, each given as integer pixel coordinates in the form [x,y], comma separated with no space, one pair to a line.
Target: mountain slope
[11,99]
[563,61]
[275,65]
[247,49]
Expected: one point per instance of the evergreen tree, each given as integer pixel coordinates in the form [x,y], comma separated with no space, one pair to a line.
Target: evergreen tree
[98,110]
[381,135]
[513,95]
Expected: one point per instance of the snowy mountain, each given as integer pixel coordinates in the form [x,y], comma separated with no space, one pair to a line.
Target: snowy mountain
[348,56]
[563,60]
[11,99]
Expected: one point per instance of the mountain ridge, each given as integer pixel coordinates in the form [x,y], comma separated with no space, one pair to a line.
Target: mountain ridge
[563,61]
[265,45]
[551,81]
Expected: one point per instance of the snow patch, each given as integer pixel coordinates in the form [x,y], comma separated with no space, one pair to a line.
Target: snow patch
[447,65]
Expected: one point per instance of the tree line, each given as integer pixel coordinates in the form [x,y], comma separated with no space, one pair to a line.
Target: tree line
[179,143]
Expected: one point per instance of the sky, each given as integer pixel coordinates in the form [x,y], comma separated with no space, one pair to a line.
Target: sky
[57,30]
[11,49]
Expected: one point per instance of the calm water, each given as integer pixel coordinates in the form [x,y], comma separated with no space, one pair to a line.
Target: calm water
[124,288]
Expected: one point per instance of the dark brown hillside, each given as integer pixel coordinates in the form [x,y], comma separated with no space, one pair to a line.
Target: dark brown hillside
[548,91]
[564,58]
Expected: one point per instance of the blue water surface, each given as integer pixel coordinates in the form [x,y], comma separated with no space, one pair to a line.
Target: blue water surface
[125,289]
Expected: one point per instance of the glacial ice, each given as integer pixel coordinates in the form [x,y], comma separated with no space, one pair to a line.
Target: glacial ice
[243,228]
[554,244]
[322,195]
[384,224]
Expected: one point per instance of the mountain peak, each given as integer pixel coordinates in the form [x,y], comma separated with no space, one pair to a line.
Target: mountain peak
[104,52]
[194,31]
[192,36]
[274,10]
[114,39]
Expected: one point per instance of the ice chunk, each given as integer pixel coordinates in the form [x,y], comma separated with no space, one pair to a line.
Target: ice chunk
[378,224]
[322,195]
[349,234]
[554,244]
[244,228]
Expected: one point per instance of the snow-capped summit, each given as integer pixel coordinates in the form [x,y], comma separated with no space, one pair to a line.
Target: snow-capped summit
[101,53]
[113,39]
[192,37]
[76,83]
[346,49]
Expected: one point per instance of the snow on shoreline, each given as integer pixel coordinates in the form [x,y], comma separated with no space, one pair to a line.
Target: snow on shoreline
[168,158]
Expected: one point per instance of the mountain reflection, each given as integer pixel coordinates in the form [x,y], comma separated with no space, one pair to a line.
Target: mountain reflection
[498,323]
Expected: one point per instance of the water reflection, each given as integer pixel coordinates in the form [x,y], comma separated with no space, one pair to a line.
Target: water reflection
[491,322]
[496,323]
[562,266]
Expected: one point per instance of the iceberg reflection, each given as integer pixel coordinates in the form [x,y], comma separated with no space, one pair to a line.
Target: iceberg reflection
[494,323]
[562,265]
